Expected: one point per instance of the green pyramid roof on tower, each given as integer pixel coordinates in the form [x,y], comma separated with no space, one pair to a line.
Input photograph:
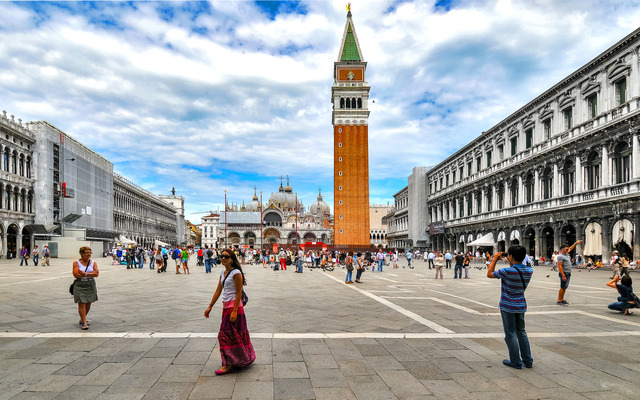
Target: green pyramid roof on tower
[350,48]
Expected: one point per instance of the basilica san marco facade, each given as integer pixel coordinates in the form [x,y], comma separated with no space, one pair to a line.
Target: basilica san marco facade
[564,167]
[282,221]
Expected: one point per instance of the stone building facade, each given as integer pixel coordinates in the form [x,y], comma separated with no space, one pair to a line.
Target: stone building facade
[182,228]
[282,221]
[209,226]
[142,216]
[17,180]
[564,167]
[408,219]
[378,224]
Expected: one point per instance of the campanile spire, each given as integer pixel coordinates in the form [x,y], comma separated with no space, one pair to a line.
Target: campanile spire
[350,119]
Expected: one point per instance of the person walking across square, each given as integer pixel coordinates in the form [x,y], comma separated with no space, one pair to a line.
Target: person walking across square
[513,305]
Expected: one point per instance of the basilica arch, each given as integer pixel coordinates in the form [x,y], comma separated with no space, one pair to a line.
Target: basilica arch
[271,235]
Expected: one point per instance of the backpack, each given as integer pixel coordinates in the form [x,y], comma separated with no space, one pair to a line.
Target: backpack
[177,254]
[209,253]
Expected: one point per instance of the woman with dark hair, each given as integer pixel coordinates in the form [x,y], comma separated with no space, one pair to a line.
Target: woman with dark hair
[235,344]
[626,300]
[84,289]
[349,265]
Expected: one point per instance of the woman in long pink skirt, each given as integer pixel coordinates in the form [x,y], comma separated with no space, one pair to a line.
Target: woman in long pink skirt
[236,349]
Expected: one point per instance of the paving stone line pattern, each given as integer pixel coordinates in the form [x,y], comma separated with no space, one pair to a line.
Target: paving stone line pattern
[315,337]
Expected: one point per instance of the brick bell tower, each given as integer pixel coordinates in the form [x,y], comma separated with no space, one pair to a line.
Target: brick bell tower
[350,118]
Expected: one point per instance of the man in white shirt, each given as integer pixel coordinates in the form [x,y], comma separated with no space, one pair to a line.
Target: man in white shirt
[431,256]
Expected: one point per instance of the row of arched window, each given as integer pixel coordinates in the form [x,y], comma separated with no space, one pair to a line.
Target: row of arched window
[350,102]
[378,236]
[15,162]
[484,200]
[142,208]
[132,224]
[14,198]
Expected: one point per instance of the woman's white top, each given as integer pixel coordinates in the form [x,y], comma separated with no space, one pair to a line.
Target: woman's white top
[88,267]
[229,288]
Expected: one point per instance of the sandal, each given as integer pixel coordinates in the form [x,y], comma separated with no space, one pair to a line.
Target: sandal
[84,326]
[627,312]
[87,322]
[221,372]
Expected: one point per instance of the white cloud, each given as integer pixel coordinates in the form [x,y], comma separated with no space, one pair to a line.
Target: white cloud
[232,98]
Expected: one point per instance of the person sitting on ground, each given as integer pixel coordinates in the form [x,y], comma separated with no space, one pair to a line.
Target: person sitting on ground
[627,298]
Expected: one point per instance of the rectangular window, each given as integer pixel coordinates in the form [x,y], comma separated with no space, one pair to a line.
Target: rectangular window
[461,207]
[567,180]
[488,159]
[514,146]
[478,164]
[469,168]
[592,106]
[500,152]
[621,91]
[567,116]
[453,176]
[469,207]
[546,128]
[447,180]
[441,186]
[461,172]
[528,135]
[431,188]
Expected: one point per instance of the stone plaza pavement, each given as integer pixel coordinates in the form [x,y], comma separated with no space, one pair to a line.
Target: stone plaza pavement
[400,334]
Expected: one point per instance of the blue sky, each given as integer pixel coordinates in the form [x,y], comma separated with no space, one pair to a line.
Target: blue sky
[228,95]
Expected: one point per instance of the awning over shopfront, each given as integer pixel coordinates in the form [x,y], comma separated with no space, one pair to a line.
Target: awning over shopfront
[486,240]
[43,230]
[122,239]
[159,243]
[593,239]
[622,232]
[99,234]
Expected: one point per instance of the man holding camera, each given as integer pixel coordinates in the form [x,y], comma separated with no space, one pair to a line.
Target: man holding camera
[513,305]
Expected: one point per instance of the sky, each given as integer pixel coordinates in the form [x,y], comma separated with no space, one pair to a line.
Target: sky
[209,97]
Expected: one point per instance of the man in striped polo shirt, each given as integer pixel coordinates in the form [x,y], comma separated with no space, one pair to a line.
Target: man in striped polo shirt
[513,305]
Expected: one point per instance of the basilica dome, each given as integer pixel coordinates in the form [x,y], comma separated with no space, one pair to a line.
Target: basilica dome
[254,205]
[284,199]
[319,206]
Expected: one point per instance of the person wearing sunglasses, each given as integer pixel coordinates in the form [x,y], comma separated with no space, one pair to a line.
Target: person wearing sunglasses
[236,349]
[513,305]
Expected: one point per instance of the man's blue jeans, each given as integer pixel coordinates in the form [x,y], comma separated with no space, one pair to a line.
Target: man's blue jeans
[516,338]
[299,265]
[380,264]
[207,265]
[35,260]
[457,272]
[140,262]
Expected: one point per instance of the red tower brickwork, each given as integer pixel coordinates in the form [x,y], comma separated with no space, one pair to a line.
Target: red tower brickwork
[350,96]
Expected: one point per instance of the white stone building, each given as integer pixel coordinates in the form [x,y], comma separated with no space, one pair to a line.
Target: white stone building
[17,179]
[564,167]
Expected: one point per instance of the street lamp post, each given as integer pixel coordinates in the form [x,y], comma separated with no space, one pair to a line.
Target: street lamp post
[225,220]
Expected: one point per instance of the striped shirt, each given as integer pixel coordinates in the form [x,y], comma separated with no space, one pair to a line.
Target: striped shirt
[512,295]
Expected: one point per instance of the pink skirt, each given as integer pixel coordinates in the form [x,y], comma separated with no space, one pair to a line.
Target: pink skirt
[236,349]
